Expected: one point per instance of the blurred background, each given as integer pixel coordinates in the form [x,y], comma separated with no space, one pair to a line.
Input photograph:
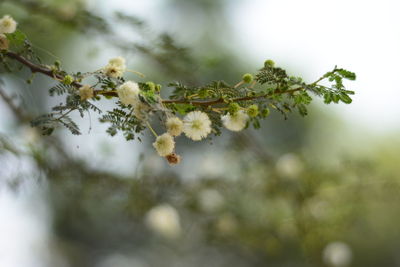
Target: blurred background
[316,191]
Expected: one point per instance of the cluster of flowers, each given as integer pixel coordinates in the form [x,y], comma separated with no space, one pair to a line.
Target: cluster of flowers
[7,25]
[196,125]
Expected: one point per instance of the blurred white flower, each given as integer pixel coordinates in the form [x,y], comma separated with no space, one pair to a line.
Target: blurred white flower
[31,135]
[128,93]
[318,208]
[4,43]
[115,68]
[86,92]
[337,254]
[7,24]
[68,11]
[227,224]
[164,220]
[174,126]
[210,200]
[164,144]
[213,164]
[235,122]
[196,125]
[289,165]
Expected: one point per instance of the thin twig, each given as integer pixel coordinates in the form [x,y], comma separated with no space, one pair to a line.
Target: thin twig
[65,114]
[151,129]
[46,71]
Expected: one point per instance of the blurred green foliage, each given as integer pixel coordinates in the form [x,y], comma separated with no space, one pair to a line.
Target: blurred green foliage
[253,203]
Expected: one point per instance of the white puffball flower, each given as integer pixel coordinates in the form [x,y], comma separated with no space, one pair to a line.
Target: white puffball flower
[337,254]
[7,24]
[235,122]
[164,144]
[174,126]
[164,220]
[119,61]
[210,200]
[196,125]
[128,93]
[85,92]
[115,68]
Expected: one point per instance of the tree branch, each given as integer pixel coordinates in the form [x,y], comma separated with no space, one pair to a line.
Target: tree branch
[36,68]
[222,100]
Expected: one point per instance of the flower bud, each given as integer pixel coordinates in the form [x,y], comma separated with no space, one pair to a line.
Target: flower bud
[158,87]
[269,63]
[233,108]
[57,63]
[173,158]
[203,93]
[68,79]
[265,112]
[247,78]
[252,110]
[151,86]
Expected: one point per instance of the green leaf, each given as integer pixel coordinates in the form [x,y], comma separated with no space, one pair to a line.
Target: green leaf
[149,96]
[327,98]
[184,108]
[302,110]
[335,98]
[348,92]
[345,98]
[256,124]
[347,74]
[16,38]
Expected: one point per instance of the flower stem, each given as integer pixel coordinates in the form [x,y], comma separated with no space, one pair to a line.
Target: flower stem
[238,84]
[137,73]
[151,129]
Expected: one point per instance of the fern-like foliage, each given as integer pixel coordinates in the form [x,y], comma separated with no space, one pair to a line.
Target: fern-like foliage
[271,88]
[123,121]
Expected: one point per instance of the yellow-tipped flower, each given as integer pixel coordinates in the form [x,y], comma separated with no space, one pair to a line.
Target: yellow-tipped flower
[86,92]
[174,126]
[164,144]
[7,24]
